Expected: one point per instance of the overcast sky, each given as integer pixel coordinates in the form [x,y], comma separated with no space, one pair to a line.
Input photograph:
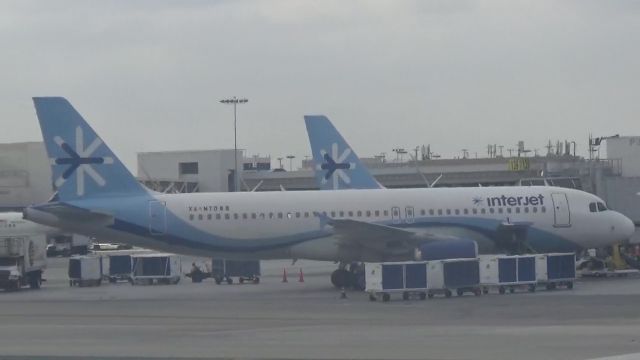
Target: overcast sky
[454,74]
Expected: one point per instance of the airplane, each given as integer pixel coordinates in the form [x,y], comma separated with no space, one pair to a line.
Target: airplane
[12,224]
[97,196]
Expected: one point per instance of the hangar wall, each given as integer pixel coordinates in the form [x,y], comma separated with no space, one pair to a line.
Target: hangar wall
[24,175]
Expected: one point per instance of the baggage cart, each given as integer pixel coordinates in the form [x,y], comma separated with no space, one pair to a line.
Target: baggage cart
[556,270]
[150,269]
[507,273]
[244,270]
[447,276]
[408,278]
[85,270]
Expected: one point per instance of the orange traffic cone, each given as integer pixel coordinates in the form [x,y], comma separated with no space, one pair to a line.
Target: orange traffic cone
[284,275]
[301,278]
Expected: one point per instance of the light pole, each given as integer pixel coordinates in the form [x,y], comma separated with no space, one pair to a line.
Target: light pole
[280,161]
[235,101]
[291,157]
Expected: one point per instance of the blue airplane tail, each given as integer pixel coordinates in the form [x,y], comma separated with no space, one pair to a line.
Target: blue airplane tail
[82,165]
[336,165]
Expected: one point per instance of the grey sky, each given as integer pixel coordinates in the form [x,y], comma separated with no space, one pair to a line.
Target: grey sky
[456,74]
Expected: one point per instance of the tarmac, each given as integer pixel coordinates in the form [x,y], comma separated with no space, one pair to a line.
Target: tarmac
[309,320]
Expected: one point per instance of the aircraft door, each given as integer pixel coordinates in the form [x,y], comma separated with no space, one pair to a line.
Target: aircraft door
[395,215]
[561,212]
[157,217]
[409,215]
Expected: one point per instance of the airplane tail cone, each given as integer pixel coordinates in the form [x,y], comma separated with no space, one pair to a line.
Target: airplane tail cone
[301,277]
[284,275]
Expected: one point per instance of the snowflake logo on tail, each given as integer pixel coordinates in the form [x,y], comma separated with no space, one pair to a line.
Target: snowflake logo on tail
[334,164]
[80,161]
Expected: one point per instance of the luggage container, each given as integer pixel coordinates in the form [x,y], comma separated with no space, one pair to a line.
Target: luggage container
[22,261]
[459,275]
[117,267]
[408,278]
[556,269]
[85,270]
[505,272]
[149,269]
[244,270]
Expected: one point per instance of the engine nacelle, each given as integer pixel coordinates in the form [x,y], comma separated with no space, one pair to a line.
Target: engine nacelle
[447,249]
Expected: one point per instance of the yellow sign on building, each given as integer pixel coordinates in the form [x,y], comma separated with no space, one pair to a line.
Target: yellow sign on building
[518,164]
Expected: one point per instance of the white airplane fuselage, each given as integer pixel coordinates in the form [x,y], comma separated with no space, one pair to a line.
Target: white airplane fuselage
[292,224]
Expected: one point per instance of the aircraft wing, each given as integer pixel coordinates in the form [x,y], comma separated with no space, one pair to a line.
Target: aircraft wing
[381,238]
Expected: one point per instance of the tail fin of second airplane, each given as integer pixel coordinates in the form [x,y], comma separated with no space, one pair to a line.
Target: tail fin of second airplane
[82,165]
[336,165]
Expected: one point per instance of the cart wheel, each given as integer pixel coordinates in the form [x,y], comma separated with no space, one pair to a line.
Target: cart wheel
[386,297]
[218,281]
[447,293]
[459,292]
[485,290]
[430,295]
[372,297]
[241,279]
[70,283]
[532,288]
[405,295]
[423,296]
[256,280]
[477,292]
[229,281]
[501,290]
[570,285]
[512,289]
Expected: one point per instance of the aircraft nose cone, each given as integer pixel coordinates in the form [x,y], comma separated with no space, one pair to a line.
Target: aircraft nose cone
[627,228]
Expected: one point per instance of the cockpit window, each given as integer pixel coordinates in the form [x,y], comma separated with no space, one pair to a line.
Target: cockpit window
[602,206]
[593,207]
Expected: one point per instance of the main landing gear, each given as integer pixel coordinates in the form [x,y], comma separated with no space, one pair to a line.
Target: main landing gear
[349,277]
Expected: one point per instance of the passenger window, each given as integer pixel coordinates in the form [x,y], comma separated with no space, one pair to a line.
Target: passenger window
[270,215]
[333,214]
[261,216]
[492,210]
[508,210]
[306,214]
[279,215]
[289,215]
[423,212]
[244,215]
[543,209]
[341,213]
[439,211]
[253,216]
[359,213]
[377,213]
[500,210]
[227,208]
[431,212]
[209,216]
[218,216]
[350,213]
[386,212]
[534,209]
[457,212]
[517,210]
[199,216]
[592,207]
[235,216]
[602,207]
[483,211]
[448,211]
[324,213]
[466,211]
[526,209]
[191,216]
[475,211]
[298,214]
[368,213]
[227,216]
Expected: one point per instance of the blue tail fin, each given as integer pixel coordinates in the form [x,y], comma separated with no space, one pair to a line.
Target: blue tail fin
[336,165]
[82,165]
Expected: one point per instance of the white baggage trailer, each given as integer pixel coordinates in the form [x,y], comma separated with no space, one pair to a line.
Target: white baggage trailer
[556,269]
[85,270]
[149,269]
[505,272]
[384,279]
[447,276]
[22,261]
